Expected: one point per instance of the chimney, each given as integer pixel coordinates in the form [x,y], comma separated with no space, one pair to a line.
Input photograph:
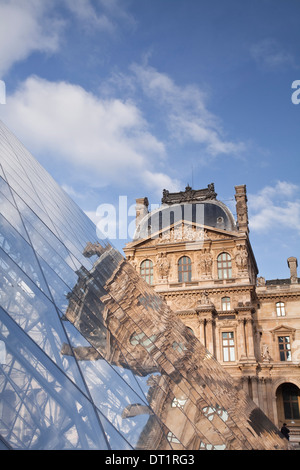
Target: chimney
[293,264]
[141,209]
[241,208]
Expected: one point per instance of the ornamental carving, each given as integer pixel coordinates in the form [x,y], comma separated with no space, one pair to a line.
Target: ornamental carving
[132,260]
[183,302]
[204,300]
[205,264]
[182,232]
[261,281]
[241,258]
[162,265]
[241,208]
[189,195]
[265,353]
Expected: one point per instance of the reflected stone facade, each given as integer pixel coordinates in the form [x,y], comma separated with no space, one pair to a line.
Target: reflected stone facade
[91,357]
[199,259]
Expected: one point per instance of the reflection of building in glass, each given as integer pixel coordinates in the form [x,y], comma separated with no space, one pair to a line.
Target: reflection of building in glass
[90,356]
[209,279]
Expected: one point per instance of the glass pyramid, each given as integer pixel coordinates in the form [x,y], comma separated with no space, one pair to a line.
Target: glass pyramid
[90,356]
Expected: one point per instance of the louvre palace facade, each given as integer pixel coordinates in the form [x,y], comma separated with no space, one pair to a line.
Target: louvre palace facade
[199,259]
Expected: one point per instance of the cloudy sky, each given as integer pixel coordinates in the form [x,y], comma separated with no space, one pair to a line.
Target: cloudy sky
[123,98]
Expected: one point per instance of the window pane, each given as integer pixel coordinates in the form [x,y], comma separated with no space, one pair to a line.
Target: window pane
[284,348]
[35,314]
[228,346]
[226,303]
[184,269]
[232,354]
[290,395]
[37,396]
[280,309]
[224,266]
[146,271]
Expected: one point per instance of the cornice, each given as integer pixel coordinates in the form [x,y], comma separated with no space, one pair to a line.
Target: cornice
[212,290]
[278,294]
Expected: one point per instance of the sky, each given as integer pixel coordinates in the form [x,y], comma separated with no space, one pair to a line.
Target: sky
[120,99]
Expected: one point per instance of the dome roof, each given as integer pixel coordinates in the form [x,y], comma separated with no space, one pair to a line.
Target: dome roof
[210,213]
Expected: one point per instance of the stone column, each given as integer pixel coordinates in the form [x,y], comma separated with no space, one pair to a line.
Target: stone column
[270,399]
[245,383]
[261,400]
[202,331]
[254,384]
[206,312]
[249,338]
[209,333]
[241,338]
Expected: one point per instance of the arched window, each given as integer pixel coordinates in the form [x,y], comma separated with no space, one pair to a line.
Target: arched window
[290,397]
[224,266]
[146,270]
[225,303]
[280,309]
[184,269]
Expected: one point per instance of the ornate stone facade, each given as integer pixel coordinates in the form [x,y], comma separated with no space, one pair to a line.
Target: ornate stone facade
[205,269]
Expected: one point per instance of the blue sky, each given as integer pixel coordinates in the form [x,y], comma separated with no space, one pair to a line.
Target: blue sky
[128,97]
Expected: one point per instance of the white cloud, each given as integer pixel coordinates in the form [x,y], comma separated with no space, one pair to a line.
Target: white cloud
[269,53]
[26,27]
[275,207]
[186,112]
[86,13]
[102,141]
[100,14]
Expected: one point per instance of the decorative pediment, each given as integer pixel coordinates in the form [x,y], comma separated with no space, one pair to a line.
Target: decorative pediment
[283,330]
[183,232]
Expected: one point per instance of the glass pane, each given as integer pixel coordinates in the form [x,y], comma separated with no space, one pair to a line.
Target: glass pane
[11,215]
[38,401]
[287,411]
[35,314]
[4,188]
[21,253]
[295,411]
[232,354]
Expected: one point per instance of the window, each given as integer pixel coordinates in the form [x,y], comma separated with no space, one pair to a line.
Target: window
[284,348]
[146,271]
[224,266]
[280,309]
[143,340]
[228,346]
[290,396]
[178,402]
[172,438]
[225,303]
[184,269]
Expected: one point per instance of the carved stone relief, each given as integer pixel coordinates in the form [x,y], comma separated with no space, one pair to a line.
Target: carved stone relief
[162,265]
[205,263]
[241,258]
